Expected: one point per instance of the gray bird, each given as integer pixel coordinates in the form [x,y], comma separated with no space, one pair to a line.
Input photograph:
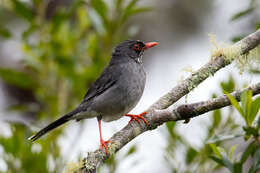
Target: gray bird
[116,92]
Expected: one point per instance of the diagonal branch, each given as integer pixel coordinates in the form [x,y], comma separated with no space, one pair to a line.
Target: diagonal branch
[156,116]
[209,69]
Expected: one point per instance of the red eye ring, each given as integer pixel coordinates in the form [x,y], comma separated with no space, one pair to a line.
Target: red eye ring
[137,47]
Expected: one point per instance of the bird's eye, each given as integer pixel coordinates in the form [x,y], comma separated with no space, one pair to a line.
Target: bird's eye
[137,47]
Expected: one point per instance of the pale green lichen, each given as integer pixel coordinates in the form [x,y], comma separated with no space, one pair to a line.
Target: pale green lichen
[228,51]
[195,81]
[188,69]
[113,147]
[234,52]
[87,165]
[250,60]
[73,167]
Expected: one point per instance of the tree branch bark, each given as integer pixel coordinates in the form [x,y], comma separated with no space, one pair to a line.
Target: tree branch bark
[192,110]
[158,114]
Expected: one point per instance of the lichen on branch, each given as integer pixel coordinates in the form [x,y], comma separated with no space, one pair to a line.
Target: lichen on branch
[235,52]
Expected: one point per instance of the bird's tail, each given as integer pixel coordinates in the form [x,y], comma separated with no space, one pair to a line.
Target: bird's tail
[53,125]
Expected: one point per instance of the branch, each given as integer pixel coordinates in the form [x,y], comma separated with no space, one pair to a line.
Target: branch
[156,116]
[185,111]
[209,69]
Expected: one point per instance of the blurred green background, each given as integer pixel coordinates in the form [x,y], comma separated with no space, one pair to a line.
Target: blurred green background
[51,51]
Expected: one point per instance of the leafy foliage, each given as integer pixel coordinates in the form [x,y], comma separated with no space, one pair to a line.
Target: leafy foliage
[4,32]
[197,159]
[248,110]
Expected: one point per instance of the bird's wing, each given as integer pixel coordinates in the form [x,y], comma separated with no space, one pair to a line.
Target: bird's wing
[104,82]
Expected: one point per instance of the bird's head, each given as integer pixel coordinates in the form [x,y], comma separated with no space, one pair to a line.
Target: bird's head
[133,49]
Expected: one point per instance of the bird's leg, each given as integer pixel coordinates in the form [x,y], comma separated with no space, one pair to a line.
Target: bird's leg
[102,142]
[137,117]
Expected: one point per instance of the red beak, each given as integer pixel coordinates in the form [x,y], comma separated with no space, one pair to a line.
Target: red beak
[149,45]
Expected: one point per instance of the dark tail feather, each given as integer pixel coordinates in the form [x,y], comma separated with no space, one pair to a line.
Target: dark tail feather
[52,126]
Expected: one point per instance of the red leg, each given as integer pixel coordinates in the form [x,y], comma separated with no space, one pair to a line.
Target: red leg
[135,117]
[102,142]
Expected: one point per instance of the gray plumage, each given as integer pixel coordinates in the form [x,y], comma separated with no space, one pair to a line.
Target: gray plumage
[117,90]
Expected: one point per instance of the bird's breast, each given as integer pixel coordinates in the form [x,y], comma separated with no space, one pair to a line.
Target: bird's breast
[129,89]
[132,83]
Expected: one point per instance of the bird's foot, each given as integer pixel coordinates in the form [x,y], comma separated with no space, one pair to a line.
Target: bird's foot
[104,144]
[137,117]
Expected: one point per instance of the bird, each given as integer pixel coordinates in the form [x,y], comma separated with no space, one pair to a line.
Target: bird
[115,93]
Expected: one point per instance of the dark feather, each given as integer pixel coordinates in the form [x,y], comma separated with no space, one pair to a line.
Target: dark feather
[104,82]
[53,125]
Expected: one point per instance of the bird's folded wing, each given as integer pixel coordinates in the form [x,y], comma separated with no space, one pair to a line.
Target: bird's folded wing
[104,82]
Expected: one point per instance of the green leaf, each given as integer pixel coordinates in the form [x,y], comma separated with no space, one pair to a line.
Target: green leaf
[218,160]
[254,110]
[96,21]
[258,123]
[215,150]
[242,13]
[118,4]
[237,38]
[22,10]
[220,138]
[257,26]
[236,105]
[130,12]
[17,78]
[250,130]
[29,31]
[111,160]
[101,8]
[216,118]
[246,101]
[140,10]
[227,163]
[221,157]
[131,4]
[254,70]
[232,151]
[191,155]
[256,161]
[237,167]
[256,158]
[132,9]
[170,127]
[132,150]
[223,161]
[228,86]
[4,33]
[37,2]
[250,148]
[83,19]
